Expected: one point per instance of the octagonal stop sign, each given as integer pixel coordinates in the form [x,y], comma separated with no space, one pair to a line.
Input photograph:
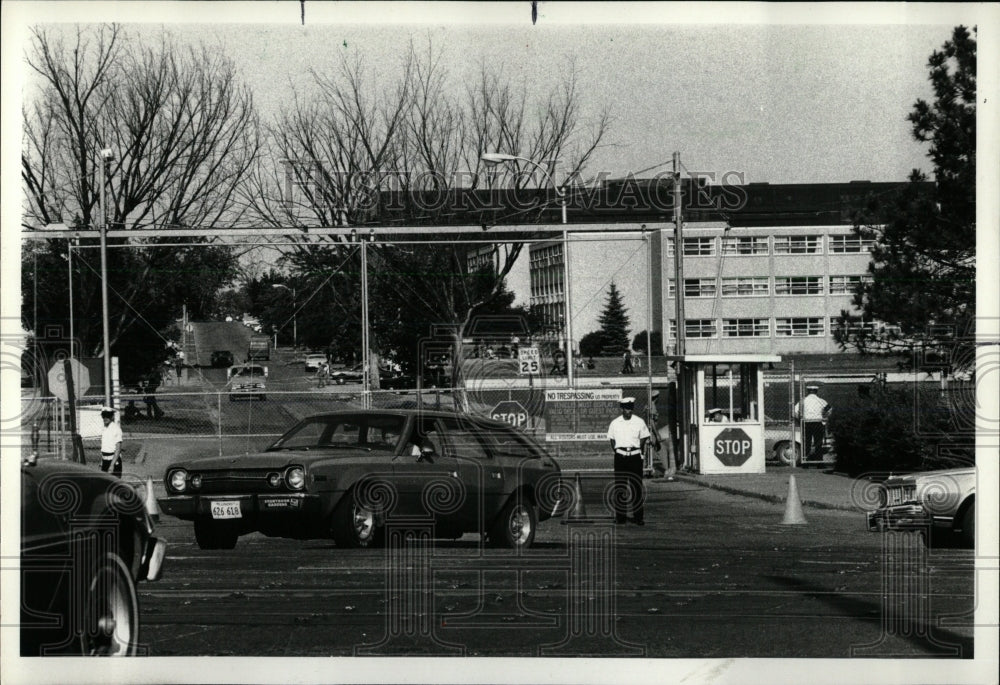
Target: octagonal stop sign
[58,385]
[733,447]
[511,412]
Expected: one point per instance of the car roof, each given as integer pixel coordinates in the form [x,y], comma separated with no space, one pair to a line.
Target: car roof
[430,413]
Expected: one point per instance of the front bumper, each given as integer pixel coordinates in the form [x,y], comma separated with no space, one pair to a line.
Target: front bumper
[255,505]
[900,517]
[153,553]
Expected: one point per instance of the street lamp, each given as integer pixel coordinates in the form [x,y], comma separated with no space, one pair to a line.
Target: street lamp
[295,313]
[504,158]
[106,158]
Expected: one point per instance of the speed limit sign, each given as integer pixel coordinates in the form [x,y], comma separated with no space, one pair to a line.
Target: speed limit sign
[528,361]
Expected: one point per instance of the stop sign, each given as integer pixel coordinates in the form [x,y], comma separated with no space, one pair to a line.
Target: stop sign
[57,379]
[733,447]
[511,412]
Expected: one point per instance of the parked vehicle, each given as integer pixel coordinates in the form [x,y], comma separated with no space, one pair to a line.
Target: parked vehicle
[314,361]
[260,348]
[87,539]
[355,374]
[249,381]
[933,502]
[778,444]
[347,475]
[222,359]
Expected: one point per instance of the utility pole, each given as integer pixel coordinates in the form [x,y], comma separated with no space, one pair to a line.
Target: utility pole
[678,256]
[106,157]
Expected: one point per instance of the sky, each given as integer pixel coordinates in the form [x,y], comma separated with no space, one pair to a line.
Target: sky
[790,103]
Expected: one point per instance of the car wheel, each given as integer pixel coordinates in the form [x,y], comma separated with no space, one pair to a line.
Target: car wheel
[354,525]
[515,526]
[111,611]
[211,535]
[784,453]
[968,535]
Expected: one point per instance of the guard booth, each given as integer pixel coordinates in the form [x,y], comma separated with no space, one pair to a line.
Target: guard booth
[720,411]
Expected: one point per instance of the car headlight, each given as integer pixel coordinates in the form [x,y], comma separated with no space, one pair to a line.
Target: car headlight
[178,480]
[274,479]
[295,477]
[196,481]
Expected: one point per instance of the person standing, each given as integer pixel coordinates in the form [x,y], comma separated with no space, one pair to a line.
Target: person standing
[662,441]
[111,443]
[628,435]
[627,363]
[813,411]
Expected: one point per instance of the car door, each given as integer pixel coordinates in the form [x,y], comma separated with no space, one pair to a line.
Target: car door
[426,478]
[480,473]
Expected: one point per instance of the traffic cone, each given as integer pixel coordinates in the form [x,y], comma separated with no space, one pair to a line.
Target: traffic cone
[793,506]
[578,512]
[152,508]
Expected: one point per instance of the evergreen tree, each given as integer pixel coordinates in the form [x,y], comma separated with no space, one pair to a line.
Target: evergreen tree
[615,324]
[923,267]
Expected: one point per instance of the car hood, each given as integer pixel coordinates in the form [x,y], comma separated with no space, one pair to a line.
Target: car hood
[941,475]
[278,459]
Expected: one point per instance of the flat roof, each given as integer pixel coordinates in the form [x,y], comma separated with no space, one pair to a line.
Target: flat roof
[725,358]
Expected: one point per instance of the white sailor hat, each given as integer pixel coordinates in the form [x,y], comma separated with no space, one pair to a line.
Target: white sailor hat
[656,393]
[107,410]
[714,410]
[812,386]
[627,401]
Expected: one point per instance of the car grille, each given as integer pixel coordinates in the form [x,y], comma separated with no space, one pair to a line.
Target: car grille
[900,495]
[238,481]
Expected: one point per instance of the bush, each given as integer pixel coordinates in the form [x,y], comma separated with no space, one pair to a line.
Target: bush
[899,429]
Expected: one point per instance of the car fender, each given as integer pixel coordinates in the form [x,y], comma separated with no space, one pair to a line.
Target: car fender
[523,489]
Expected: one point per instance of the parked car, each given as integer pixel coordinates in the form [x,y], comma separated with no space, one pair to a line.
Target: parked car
[778,445]
[355,374]
[259,348]
[247,380]
[347,475]
[87,538]
[314,361]
[942,501]
[222,359]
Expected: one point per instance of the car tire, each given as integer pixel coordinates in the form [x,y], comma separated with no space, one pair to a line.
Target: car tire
[211,535]
[783,453]
[110,611]
[968,521]
[515,527]
[353,526]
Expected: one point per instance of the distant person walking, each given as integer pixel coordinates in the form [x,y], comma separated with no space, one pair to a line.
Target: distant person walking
[628,435]
[627,362]
[813,410]
[111,443]
[662,442]
[323,374]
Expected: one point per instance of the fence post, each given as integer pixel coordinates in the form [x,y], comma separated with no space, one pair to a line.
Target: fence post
[218,418]
[791,411]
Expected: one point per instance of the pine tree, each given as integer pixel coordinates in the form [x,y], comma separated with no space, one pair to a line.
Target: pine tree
[923,270]
[615,324]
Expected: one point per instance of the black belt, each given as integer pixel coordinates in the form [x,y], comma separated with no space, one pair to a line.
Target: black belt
[107,454]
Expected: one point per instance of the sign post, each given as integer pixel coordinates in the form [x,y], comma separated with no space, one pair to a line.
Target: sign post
[62,385]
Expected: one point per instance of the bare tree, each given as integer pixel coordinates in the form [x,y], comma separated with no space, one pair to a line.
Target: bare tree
[362,150]
[183,131]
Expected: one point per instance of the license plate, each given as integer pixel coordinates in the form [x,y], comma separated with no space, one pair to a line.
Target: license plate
[226,510]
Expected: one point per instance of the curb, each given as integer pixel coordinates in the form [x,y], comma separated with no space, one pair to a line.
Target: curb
[774,499]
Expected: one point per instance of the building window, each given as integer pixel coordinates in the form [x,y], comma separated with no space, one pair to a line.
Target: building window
[699,247]
[671,287]
[699,287]
[842,244]
[670,247]
[845,285]
[744,246]
[745,287]
[745,328]
[699,328]
[671,329]
[797,244]
[799,327]
[798,285]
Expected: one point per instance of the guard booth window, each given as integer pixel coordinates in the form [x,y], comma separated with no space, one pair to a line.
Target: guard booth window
[731,394]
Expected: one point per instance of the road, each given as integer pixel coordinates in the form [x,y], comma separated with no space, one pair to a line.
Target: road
[710,575]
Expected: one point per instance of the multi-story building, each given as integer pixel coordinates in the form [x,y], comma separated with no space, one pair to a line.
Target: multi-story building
[770,272]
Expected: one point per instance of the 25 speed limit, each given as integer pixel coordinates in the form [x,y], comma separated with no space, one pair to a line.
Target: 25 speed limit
[528,361]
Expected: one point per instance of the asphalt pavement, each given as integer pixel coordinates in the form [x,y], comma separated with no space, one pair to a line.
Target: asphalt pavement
[820,489]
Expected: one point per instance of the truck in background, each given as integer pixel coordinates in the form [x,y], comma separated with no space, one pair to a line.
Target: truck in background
[260,348]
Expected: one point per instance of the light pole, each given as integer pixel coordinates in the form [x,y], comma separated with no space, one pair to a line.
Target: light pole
[295,314]
[504,158]
[106,157]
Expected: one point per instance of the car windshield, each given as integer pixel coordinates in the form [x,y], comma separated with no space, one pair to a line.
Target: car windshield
[372,432]
[244,373]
